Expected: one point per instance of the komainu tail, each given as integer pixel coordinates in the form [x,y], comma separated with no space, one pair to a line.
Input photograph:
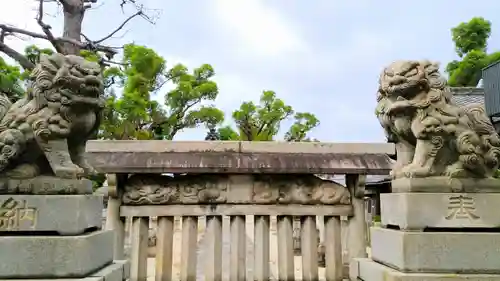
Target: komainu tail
[490,140]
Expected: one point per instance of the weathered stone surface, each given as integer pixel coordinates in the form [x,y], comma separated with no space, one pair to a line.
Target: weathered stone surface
[65,214]
[112,272]
[44,185]
[147,189]
[55,256]
[433,136]
[126,268]
[239,157]
[416,211]
[47,130]
[436,252]
[368,270]
[446,184]
[117,271]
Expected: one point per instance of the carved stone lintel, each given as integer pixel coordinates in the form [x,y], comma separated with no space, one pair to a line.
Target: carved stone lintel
[233,189]
[45,185]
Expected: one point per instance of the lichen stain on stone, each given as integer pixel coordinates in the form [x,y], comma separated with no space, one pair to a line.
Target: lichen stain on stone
[238,162]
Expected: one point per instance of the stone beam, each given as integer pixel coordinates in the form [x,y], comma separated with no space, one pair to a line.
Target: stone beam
[239,157]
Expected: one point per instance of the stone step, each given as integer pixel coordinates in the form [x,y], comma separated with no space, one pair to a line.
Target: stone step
[24,257]
[438,252]
[369,270]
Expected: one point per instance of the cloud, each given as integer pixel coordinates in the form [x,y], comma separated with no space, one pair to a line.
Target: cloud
[258,28]
[21,14]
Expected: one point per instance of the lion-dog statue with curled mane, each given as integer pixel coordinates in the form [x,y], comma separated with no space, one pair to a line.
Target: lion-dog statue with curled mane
[433,135]
[45,132]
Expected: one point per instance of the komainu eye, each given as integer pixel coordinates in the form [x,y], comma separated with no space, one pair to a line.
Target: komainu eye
[412,72]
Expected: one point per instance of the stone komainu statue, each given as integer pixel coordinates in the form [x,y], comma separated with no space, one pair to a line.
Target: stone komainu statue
[433,136]
[46,131]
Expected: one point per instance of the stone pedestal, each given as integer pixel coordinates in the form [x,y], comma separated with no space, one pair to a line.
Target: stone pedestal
[46,237]
[432,236]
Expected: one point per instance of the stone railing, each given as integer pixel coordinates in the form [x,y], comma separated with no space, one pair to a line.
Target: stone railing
[250,184]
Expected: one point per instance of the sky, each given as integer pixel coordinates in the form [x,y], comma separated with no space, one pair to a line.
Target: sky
[319,56]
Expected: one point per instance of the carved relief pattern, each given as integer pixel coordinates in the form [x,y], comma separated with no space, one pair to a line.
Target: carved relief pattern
[144,189]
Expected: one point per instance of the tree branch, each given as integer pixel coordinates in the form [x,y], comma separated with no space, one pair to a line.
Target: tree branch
[46,28]
[86,46]
[179,116]
[21,59]
[119,27]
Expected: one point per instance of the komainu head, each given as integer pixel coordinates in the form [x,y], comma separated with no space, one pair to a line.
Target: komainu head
[65,77]
[408,78]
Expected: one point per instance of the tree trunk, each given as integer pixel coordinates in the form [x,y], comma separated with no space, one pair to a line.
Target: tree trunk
[74,12]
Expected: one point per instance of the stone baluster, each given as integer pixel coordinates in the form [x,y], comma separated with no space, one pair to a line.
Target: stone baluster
[237,263]
[261,248]
[113,219]
[139,249]
[286,270]
[189,247]
[357,242]
[164,248]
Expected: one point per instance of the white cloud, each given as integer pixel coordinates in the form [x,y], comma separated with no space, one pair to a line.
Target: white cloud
[259,28]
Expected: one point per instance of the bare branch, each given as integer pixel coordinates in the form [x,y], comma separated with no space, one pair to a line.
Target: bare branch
[46,28]
[21,59]
[84,45]
[86,37]
[119,27]
[108,62]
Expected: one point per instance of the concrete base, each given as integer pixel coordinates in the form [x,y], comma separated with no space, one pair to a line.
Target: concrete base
[416,211]
[65,214]
[23,257]
[368,270]
[117,271]
[435,252]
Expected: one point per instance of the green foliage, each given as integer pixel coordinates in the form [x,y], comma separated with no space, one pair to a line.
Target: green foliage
[304,122]
[12,77]
[471,36]
[470,40]
[227,133]
[97,181]
[497,174]
[135,116]
[262,122]
[10,80]
[33,53]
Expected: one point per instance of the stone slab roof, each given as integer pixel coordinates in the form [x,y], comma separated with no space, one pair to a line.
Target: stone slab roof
[240,157]
[463,96]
